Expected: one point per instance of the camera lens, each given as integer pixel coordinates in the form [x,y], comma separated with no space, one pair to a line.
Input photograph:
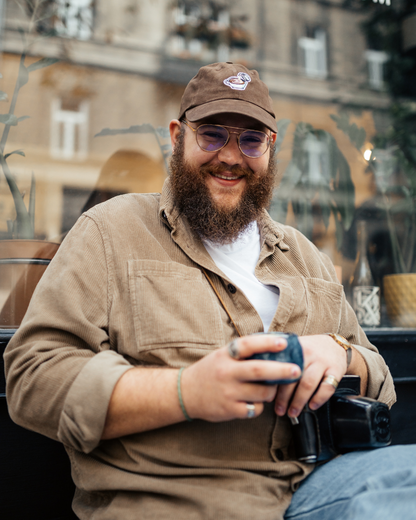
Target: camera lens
[382,425]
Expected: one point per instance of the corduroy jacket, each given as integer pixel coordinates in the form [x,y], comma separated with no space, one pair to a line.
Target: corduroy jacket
[126,289]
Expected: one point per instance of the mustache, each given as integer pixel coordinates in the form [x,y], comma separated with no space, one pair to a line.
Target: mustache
[219,169]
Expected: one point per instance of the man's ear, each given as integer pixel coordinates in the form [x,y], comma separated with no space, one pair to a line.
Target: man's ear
[174,129]
[273,138]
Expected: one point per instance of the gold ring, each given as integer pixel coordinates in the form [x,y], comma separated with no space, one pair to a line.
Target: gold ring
[251,410]
[330,380]
[232,349]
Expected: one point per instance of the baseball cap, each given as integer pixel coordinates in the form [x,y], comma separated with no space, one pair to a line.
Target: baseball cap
[227,87]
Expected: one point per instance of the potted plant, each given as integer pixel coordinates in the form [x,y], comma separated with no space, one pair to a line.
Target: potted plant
[393,163]
[22,258]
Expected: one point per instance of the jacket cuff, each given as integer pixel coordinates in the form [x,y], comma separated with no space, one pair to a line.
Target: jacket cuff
[85,408]
[380,384]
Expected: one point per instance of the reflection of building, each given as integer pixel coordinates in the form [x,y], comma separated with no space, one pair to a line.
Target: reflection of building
[288,40]
[376,61]
[69,131]
[313,54]
[125,63]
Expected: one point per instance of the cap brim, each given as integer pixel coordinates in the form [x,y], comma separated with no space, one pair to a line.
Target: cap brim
[232,106]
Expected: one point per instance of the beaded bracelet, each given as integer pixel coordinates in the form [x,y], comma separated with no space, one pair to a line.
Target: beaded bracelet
[185,413]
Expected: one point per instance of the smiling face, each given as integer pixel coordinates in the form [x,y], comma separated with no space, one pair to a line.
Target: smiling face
[225,178]
[222,192]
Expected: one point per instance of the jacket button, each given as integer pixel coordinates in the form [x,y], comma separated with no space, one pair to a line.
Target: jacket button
[231,288]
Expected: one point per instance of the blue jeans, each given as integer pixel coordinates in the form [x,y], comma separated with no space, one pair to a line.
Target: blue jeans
[377,484]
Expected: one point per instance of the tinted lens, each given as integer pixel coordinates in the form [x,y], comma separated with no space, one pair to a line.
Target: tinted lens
[254,144]
[211,137]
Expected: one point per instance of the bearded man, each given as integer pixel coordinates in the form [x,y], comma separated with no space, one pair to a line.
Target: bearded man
[133,352]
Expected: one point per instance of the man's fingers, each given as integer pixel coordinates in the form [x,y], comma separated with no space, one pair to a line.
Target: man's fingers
[284,394]
[248,345]
[259,370]
[256,393]
[311,390]
[325,391]
[248,410]
[305,390]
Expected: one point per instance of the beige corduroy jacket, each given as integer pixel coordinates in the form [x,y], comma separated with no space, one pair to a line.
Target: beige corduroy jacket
[125,288]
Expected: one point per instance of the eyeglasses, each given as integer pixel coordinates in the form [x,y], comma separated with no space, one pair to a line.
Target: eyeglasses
[212,138]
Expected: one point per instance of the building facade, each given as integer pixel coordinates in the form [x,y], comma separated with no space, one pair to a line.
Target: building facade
[122,66]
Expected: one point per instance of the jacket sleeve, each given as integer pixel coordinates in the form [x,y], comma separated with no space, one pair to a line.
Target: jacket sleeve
[380,384]
[60,369]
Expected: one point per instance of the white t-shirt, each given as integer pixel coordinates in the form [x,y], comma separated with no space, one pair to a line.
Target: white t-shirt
[238,261]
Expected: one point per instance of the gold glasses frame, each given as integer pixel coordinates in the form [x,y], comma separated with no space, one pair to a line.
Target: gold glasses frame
[228,138]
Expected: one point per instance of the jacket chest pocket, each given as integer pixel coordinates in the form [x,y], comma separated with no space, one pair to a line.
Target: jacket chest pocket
[172,306]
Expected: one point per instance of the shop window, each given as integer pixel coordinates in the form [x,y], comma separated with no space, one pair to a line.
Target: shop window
[69,131]
[376,61]
[343,155]
[74,18]
[313,54]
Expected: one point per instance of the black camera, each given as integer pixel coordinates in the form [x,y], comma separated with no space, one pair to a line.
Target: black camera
[347,422]
[291,354]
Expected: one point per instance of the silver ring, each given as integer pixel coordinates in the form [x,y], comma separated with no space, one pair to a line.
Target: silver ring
[331,380]
[232,349]
[251,410]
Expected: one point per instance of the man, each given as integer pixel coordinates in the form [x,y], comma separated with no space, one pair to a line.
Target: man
[130,352]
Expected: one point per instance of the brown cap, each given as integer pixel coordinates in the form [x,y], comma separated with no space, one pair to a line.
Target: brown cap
[227,87]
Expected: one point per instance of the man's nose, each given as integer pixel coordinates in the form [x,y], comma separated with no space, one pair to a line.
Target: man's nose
[231,153]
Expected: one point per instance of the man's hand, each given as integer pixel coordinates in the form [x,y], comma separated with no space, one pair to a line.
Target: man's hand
[215,388]
[218,387]
[322,357]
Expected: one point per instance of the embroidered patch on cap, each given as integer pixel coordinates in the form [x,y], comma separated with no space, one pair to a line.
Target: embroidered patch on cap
[238,82]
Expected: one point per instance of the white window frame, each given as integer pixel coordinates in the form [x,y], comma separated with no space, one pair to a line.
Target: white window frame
[65,125]
[376,61]
[314,58]
[318,160]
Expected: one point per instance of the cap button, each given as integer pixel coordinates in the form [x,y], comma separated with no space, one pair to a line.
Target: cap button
[229,62]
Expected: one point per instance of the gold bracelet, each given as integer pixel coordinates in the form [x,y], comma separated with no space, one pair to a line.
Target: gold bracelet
[345,344]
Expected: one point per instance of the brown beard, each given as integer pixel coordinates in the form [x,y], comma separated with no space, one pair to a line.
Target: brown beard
[194,201]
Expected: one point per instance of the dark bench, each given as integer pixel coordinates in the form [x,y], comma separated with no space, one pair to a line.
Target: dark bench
[398,347]
[35,474]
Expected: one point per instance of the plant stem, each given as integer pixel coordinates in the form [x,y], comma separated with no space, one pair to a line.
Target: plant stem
[411,243]
[12,105]
[163,153]
[399,265]
[24,225]
[25,228]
